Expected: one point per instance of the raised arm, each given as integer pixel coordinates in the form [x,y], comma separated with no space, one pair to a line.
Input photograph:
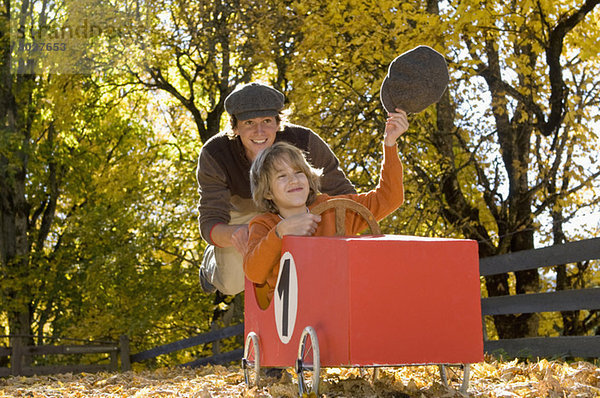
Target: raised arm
[389,194]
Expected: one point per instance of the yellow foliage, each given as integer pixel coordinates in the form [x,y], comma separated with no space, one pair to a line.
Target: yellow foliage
[128,193]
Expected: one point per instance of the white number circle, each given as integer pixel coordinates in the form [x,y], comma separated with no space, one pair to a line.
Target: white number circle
[286,298]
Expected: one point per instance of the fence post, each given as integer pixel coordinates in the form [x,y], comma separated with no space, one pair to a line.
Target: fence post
[124,351]
[216,345]
[114,361]
[16,357]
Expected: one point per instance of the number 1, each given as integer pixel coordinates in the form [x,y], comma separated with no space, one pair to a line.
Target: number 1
[284,295]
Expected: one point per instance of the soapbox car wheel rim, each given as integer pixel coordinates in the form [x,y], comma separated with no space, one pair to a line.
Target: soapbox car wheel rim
[308,363]
[341,205]
[366,373]
[456,376]
[251,360]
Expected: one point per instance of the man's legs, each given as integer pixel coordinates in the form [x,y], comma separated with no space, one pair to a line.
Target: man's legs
[225,271]
[207,270]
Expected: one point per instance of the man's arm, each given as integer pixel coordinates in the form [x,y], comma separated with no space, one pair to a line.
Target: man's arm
[214,204]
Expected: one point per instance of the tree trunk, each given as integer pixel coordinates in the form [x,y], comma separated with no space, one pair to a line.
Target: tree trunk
[15,122]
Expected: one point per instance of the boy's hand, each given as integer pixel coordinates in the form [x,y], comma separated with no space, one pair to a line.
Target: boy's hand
[301,224]
[395,126]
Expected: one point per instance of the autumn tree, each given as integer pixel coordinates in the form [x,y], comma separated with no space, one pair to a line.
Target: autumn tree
[95,240]
[522,51]
[19,110]
[97,192]
[484,163]
[199,52]
[476,168]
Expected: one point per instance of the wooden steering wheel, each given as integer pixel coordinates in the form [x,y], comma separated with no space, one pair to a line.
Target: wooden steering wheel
[341,205]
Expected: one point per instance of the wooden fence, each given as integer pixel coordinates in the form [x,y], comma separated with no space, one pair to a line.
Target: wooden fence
[22,362]
[565,300]
[20,356]
[212,336]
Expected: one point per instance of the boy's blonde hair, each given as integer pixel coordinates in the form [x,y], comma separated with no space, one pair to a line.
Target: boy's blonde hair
[264,166]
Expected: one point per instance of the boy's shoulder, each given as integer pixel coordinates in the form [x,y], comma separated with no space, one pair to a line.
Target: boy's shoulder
[323,197]
[267,219]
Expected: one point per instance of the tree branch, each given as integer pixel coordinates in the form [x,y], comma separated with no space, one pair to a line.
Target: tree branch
[554,49]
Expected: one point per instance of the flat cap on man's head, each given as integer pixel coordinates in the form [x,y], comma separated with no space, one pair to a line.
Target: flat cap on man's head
[415,80]
[254,100]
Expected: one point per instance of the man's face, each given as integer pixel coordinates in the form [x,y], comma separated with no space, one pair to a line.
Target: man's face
[257,134]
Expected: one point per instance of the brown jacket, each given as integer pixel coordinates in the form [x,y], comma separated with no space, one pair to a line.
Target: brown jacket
[223,174]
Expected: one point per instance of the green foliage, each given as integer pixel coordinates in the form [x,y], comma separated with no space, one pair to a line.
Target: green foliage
[113,241]
[130,247]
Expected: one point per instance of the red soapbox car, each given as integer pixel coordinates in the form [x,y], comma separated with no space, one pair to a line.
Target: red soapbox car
[367,301]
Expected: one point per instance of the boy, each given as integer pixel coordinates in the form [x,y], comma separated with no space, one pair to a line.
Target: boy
[287,187]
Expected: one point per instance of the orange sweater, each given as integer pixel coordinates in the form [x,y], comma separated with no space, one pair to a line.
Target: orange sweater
[261,261]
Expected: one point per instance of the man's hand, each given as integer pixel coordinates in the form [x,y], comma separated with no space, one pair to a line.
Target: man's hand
[395,126]
[301,224]
[239,239]
[236,235]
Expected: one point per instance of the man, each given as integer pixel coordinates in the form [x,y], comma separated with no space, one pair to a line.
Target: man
[226,206]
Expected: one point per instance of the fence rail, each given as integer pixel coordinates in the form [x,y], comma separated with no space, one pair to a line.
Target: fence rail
[235,330]
[562,300]
[571,252]
[564,346]
[218,359]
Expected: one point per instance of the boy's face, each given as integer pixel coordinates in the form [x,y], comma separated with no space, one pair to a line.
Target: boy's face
[289,189]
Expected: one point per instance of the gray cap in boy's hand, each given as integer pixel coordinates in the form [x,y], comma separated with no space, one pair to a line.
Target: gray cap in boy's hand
[415,80]
[254,100]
